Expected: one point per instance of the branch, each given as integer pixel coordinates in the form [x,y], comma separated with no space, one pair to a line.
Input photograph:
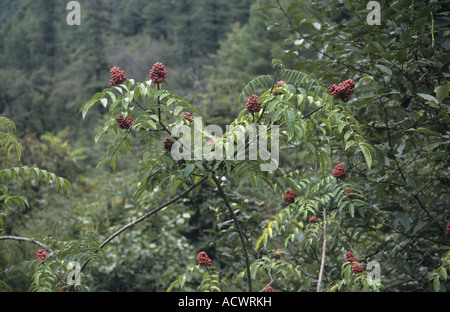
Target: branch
[159,114]
[238,228]
[145,216]
[28,240]
[324,247]
[150,213]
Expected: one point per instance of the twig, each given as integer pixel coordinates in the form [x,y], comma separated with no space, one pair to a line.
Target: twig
[159,113]
[145,216]
[324,248]
[150,213]
[28,240]
[238,228]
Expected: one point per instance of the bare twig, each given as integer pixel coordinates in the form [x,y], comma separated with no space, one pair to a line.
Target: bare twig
[324,249]
[238,228]
[28,240]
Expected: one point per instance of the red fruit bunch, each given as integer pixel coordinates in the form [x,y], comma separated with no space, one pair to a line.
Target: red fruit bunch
[343,91]
[158,73]
[252,105]
[277,254]
[448,227]
[339,172]
[279,85]
[203,259]
[117,76]
[289,196]
[168,143]
[313,219]
[187,115]
[269,289]
[41,254]
[125,123]
[352,191]
[349,257]
[357,268]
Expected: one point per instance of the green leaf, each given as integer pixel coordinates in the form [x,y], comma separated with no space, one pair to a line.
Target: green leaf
[275,115]
[367,155]
[349,144]
[86,107]
[436,284]
[428,97]
[384,69]
[442,92]
[290,119]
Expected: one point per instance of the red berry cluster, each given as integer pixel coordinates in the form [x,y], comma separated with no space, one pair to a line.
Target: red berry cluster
[343,91]
[158,73]
[448,227]
[277,254]
[269,289]
[252,105]
[279,85]
[125,123]
[339,172]
[290,196]
[352,191]
[188,116]
[117,76]
[313,219]
[203,259]
[349,257]
[357,268]
[168,143]
[41,254]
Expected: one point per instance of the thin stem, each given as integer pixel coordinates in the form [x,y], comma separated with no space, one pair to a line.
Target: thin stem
[159,113]
[28,240]
[324,249]
[145,216]
[238,228]
[154,211]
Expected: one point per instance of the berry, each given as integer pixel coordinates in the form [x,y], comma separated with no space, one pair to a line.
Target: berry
[158,73]
[290,196]
[188,116]
[339,172]
[352,191]
[269,289]
[168,143]
[41,254]
[203,259]
[125,123]
[313,219]
[117,76]
[279,85]
[252,105]
[357,268]
[448,227]
[343,91]
[277,254]
[349,257]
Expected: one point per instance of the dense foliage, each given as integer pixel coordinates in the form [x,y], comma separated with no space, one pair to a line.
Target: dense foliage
[360,190]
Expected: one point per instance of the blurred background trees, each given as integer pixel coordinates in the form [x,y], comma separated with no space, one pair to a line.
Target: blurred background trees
[211,50]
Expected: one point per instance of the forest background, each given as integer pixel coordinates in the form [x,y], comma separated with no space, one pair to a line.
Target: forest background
[212,49]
